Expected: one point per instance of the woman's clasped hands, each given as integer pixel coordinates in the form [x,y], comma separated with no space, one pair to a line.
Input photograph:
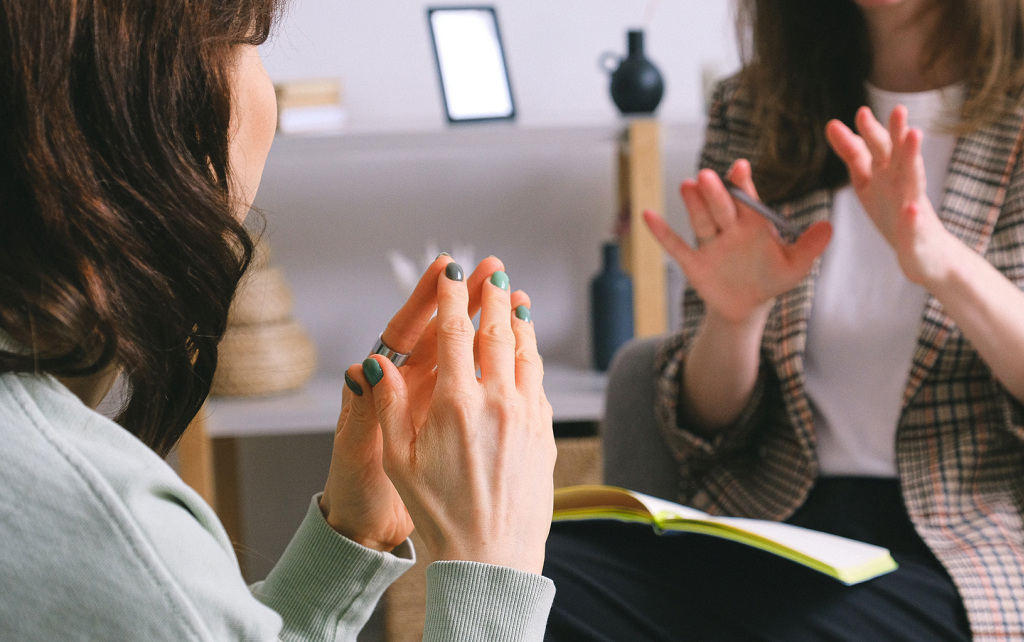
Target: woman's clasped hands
[467,459]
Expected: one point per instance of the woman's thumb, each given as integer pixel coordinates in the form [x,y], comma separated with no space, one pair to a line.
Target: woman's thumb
[809,246]
[390,398]
[360,412]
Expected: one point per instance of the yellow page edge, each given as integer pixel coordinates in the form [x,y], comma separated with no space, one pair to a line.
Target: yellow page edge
[620,514]
[854,575]
[664,521]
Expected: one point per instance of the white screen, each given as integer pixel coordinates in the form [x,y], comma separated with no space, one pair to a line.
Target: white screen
[472,64]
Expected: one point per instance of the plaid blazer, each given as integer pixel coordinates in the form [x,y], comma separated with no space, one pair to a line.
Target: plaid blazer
[960,437]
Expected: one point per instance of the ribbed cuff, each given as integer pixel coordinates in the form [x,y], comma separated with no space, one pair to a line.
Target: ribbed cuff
[325,586]
[474,601]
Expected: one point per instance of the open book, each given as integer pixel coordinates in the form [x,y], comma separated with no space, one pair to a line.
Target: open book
[846,560]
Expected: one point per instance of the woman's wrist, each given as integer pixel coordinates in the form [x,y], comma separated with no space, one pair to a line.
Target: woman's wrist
[743,331]
[939,257]
[721,368]
[350,531]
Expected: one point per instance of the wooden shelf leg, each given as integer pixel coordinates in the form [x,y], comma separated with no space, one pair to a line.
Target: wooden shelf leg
[195,459]
[225,478]
[640,188]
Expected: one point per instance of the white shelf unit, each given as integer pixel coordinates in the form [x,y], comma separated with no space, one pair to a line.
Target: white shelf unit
[575,395]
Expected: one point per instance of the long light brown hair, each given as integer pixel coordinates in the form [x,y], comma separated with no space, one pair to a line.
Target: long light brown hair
[805,63]
[119,246]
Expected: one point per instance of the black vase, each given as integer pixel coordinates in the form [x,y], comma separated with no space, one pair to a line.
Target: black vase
[637,86]
[611,308]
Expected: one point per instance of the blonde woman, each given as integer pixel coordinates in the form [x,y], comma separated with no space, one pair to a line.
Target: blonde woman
[865,380]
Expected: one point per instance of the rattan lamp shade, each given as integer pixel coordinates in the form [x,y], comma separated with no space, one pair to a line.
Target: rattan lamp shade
[264,351]
[263,297]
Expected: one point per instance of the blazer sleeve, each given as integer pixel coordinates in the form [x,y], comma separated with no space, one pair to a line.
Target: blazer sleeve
[1006,253]
[724,141]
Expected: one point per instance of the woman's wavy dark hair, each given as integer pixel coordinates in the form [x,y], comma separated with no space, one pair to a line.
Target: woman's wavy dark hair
[805,63]
[119,247]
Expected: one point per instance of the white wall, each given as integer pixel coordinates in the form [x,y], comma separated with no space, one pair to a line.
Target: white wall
[381,50]
[538,193]
[542,200]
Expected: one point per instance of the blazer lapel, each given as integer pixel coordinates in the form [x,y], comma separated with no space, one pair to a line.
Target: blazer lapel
[786,334]
[975,189]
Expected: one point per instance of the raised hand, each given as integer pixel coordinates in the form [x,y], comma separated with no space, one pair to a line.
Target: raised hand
[359,500]
[887,173]
[475,469]
[740,263]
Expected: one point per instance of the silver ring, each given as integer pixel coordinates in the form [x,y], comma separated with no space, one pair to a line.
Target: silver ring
[704,240]
[397,358]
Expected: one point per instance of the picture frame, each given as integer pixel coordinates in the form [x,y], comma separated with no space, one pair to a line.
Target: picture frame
[471,64]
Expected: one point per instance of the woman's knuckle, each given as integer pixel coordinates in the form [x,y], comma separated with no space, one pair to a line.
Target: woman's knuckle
[547,411]
[456,327]
[529,357]
[386,399]
[461,415]
[454,404]
[497,334]
[359,412]
[505,408]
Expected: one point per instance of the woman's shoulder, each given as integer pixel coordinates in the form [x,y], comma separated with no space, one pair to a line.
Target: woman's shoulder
[55,436]
[731,101]
[87,507]
[730,130]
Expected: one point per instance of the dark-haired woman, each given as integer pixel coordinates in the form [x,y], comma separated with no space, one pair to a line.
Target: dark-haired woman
[865,380]
[134,136]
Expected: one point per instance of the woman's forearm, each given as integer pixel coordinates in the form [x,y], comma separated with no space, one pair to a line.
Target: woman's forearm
[721,369]
[988,308]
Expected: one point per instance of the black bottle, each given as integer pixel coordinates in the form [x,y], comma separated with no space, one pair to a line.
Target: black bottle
[611,308]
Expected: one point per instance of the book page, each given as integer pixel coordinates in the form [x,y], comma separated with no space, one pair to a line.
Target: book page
[597,498]
[837,552]
[665,508]
[845,559]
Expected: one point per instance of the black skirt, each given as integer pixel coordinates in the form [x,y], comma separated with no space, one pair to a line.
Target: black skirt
[620,581]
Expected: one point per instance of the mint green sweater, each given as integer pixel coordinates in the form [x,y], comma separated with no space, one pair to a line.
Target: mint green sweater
[101,540]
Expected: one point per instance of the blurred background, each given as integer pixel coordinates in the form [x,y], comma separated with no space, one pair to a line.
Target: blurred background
[394,177]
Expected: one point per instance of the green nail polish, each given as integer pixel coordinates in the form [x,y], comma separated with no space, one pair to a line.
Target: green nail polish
[441,254]
[500,279]
[454,271]
[372,371]
[523,313]
[353,385]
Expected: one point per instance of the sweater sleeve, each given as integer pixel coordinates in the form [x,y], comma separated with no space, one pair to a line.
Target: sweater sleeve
[325,586]
[474,601]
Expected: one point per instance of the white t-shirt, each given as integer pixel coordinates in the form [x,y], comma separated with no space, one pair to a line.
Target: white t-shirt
[866,315]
